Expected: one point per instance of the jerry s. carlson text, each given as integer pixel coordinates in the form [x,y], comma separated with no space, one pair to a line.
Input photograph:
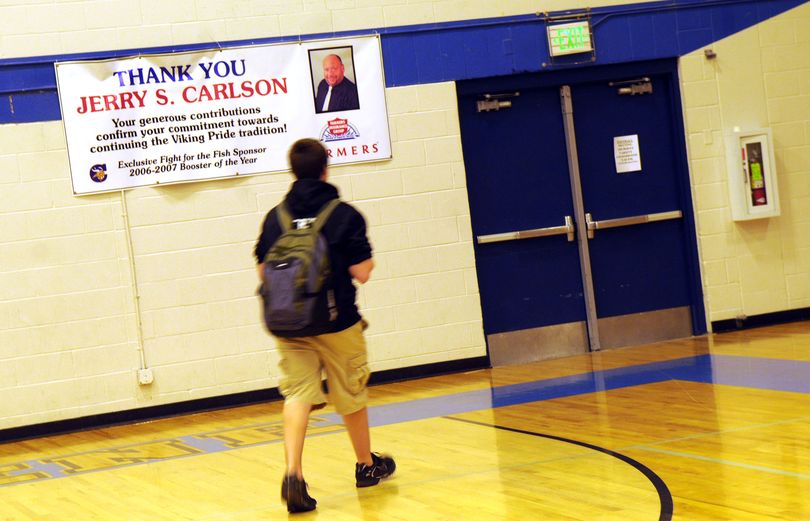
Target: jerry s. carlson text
[215,80]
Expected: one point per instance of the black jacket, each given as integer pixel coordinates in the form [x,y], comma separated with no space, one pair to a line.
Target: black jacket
[344,96]
[345,231]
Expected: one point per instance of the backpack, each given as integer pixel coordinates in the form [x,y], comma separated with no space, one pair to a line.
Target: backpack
[296,293]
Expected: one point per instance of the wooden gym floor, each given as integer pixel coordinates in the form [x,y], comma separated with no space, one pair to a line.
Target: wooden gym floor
[709,428]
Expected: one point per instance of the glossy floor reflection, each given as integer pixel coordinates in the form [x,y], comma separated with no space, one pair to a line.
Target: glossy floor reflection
[710,428]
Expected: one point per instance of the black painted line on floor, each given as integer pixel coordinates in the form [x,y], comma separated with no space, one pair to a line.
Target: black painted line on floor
[664,495]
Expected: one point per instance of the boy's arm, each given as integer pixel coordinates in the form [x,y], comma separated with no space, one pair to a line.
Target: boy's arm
[362,270]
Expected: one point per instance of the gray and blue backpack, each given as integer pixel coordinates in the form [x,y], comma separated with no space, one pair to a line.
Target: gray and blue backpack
[296,292]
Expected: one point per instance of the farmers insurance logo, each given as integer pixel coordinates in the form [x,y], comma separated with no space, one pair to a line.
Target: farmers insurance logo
[338,130]
[98,173]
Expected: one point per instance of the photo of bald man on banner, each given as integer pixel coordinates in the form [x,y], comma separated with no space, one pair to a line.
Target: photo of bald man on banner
[333,79]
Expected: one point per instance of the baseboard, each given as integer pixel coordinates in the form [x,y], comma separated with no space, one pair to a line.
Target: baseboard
[423,371]
[219,402]
[766,319]
[137,415]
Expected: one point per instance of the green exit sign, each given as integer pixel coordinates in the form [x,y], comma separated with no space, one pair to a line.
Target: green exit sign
[569,38]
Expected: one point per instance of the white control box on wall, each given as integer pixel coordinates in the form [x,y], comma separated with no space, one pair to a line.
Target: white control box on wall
[752,174]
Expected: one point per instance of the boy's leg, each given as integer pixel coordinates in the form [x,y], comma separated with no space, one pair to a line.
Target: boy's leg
[371,468]
[345,358]
[296,418]
[357,426]
[300,384]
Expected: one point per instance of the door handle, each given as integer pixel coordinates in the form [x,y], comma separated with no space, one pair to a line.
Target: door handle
[629,221]
[566,229]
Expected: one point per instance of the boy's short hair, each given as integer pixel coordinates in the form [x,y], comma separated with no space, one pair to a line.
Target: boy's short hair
[307,158]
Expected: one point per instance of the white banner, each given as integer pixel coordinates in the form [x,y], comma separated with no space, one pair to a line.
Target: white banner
[220,113]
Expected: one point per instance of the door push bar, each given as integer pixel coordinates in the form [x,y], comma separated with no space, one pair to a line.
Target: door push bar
[629,221]
[566,229]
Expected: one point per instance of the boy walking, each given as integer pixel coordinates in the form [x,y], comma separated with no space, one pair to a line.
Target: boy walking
[335,345]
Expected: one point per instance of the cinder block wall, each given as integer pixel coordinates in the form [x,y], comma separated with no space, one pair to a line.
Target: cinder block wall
[760,78]
[42,27]
[68,334]
[68,329]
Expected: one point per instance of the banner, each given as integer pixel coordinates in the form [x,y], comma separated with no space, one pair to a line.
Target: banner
[214,114]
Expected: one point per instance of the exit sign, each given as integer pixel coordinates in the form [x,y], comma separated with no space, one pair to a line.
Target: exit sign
[569,38]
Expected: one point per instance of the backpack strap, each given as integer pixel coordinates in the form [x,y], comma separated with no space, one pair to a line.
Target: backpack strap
[284,217]
[323,215]
[286,222]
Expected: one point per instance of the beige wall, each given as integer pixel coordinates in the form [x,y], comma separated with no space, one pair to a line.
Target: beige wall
[69,339]
[67,314]
[760,78]
[68,26]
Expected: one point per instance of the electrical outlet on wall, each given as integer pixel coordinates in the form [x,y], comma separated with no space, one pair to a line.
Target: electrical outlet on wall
[145,376]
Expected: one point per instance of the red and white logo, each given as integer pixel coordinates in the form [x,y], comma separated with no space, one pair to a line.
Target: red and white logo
[339,129]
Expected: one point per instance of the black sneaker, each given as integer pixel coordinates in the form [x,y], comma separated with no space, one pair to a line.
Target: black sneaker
[294,492]
[370,475]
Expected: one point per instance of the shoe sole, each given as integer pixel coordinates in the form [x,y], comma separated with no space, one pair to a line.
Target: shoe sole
[293,510]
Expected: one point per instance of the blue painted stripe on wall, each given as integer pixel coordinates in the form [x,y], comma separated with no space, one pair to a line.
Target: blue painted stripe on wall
[26,77]
[621,33]
[461,50]
[30,107]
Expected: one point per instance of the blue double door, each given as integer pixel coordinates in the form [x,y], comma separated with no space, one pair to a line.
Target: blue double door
[581,210]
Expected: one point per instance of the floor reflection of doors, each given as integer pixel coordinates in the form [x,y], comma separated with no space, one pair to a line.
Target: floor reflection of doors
[581,209]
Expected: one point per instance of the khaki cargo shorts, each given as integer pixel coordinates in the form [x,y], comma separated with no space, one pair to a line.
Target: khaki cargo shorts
[342,355]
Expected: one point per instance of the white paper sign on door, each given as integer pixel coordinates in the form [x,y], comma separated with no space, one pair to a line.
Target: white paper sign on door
[627,154]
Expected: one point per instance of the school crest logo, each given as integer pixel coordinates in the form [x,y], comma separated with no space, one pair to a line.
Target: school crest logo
[98,173]
[339,129]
